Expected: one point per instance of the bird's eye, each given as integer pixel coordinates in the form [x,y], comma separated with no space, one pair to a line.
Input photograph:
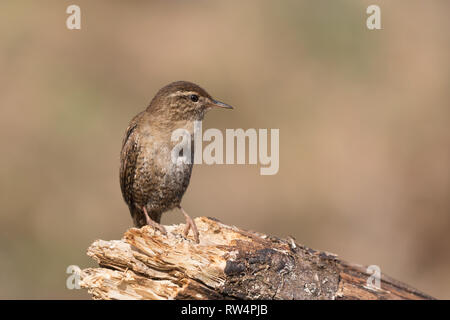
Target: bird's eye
[193,97]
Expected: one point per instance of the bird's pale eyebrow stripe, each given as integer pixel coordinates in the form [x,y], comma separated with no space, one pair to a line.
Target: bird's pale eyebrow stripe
[182,93]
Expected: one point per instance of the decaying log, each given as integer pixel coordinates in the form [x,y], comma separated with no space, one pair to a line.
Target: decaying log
[228,263]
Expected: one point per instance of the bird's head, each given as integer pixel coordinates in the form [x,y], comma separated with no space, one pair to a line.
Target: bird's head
[183,100]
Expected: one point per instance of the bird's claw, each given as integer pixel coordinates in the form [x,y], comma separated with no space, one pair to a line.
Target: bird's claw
[190,224]
[157,226]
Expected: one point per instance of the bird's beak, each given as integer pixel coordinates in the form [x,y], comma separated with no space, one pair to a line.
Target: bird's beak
[219,104]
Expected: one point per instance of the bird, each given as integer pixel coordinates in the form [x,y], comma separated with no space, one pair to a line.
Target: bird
[151,181]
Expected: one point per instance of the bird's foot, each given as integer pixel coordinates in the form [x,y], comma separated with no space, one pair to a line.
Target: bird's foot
[157,226]
[190,224]
[154,224]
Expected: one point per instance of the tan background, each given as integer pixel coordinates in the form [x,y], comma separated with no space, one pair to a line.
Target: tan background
[363,118]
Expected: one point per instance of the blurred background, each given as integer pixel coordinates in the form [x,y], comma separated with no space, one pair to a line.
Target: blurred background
[363,118]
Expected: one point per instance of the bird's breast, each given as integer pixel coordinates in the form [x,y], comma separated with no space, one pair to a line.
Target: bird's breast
[162,178]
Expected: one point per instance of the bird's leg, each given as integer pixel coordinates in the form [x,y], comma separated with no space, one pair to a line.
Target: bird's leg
[154,224]
[190,224]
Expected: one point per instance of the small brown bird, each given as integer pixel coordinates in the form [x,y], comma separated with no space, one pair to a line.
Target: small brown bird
[151,181]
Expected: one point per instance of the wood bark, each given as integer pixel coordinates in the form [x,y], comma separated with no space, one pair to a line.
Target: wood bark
[228,263]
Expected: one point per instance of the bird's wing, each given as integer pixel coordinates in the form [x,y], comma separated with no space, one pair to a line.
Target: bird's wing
[128,158]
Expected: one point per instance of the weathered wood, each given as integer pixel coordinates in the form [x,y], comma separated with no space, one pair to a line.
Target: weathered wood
[228,263]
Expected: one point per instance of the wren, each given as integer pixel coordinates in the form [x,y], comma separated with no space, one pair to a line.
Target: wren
[151,181]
